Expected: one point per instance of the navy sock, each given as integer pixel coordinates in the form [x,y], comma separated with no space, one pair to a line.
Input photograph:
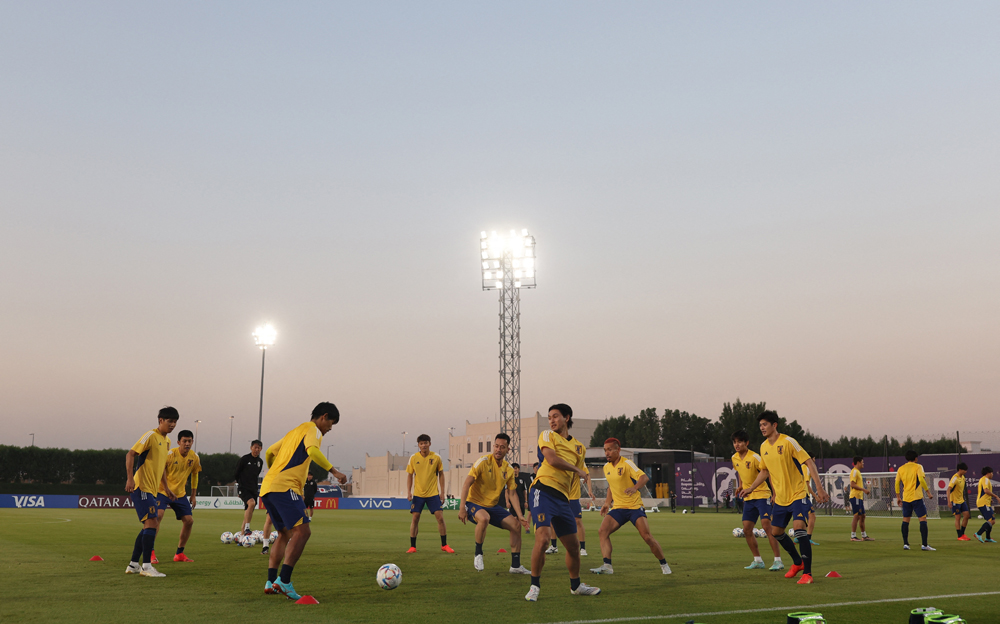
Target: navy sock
[574,583]
[607,560]
[148,540]
[286,574]
[989,531]
[413,542]
[786,543]
[479,548]
[583,545]
[663,562]
[137,548]
[923,532]
[444,540]
[536,581]
[906,532]
[806,549]
[983,529]
[959,531]
[515,560]
[272,574]
[180,550]
[553,543]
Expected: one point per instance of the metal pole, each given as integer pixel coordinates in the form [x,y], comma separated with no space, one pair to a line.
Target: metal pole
[231,433]
[510,357]
[260,416]
[958,444]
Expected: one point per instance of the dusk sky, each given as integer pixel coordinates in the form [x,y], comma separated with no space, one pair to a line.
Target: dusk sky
[786,202]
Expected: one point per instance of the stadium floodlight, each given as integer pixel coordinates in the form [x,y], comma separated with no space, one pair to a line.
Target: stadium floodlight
[196,423]
[263,337]
[404,443]
[509,264]
[231,419]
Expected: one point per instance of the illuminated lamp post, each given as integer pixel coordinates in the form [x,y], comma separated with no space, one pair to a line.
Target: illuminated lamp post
[263,337]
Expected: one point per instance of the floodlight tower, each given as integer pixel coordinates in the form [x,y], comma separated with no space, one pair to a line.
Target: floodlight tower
[508,265]
[263,337]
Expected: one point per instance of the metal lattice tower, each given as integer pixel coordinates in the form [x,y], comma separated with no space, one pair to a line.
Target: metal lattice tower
[508,265]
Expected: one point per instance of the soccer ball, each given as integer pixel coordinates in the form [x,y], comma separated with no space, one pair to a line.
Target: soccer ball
[258,535]
[684,511]
[248,541]
[274,536]
[737,532]
[759,533]
[389,576]
[227,538]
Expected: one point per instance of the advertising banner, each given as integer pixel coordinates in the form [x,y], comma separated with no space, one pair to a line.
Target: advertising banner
[218,502]
[105,502]
[374,503]
[326,503]
[32,501]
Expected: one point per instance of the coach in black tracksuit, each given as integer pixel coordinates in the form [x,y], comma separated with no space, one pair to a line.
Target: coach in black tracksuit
[247,477]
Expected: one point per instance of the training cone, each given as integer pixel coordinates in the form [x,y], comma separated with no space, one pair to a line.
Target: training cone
[307,600]
[833,574]
[96,558]
[501,551]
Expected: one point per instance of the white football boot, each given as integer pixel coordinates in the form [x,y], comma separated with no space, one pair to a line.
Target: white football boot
[666,567]
[532,595]
[478,563]
[583,552]
[604,569]
[133,568]
[149,570]
[519,570]
[585,590]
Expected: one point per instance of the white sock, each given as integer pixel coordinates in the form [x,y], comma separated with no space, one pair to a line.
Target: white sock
[758,560]
[777,559]
[147,566]
[864,534]
[265,542]
[853,534]
[246,526]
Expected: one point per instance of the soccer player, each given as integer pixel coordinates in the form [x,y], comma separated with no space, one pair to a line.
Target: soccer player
[910,477]
[624,504]
[985,504]
[425,488]
[781,459]
[288,464]
[480,500]
[810,495]
[956,498]
[247,473]
[559,464]
[857,498]
[523,483]
[182,463]
[309,493]
[757,504]
[144,479]
[574,502]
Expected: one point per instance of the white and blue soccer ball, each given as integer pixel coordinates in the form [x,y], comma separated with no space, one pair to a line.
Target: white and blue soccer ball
[759,533]
[274,536]
[258,535]
[227,538]
[389,576]
[738,532]
[248,541]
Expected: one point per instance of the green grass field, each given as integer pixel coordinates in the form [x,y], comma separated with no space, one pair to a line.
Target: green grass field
[47,576]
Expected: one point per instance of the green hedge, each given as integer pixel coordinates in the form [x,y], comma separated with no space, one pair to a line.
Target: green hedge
[19,464]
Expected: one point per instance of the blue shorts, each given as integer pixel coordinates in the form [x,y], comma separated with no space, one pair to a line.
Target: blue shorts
[621,516]
[145,505]
[287,509]
[497,514]
[757,508]
[987,512]
[548,510]
[574,507]
[181,505]
[916,508]
[782,514]
[433,504]
[857,506]
[960,508]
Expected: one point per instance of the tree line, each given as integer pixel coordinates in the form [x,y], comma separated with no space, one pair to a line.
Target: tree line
[676,429]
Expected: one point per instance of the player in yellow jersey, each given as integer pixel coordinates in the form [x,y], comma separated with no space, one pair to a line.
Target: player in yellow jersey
[757,504]
[482,493]
[782,459]
[281,491]
[956,499]
[911,480]
[425,487]
[182,463]
[984,501]
[624,504]
[559,464]
[575,491]
[144,467]
[857,488]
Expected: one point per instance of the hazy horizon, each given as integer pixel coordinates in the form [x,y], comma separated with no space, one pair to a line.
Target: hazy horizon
[787,203]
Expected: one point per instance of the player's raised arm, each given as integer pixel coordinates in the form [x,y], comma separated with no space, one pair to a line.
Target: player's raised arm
[272,452]
[560,464]
[441,484]
[761,476]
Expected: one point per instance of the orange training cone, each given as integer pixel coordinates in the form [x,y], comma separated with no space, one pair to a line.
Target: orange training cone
[833,574]
[501,551]
[307,600]
[96,558]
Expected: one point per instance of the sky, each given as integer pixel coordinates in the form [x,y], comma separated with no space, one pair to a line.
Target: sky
[794,203]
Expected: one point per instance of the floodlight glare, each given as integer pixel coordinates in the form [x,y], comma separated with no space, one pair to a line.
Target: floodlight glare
[504,254]
[264,336]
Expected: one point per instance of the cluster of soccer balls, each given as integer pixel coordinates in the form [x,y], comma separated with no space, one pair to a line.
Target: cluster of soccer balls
[738,532]
[246,541]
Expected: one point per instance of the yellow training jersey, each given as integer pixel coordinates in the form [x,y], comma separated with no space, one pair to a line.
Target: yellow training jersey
[491,479]
[956,490]
[179,468]
[621,477]
[425,474]
[559,480]
[856,480]
[581,450]
[784,460]
[152,448]
[911,476]
[748,468]
[985,489]
[290,467]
